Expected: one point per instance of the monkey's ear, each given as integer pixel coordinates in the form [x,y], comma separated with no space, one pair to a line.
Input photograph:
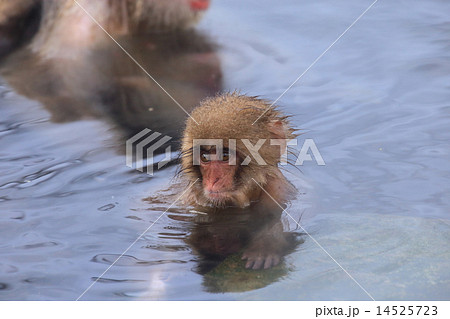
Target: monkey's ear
[277,129]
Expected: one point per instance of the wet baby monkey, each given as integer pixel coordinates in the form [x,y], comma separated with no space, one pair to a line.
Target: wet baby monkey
[231,148]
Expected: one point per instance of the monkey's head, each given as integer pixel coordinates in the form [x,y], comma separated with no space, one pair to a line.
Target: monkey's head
[165,15]
[231,147]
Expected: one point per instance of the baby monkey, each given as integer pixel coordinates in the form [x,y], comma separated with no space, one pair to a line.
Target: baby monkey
[231,149]
[247,138]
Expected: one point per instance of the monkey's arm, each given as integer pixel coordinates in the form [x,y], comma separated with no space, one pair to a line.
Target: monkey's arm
[270,243]
[267,247]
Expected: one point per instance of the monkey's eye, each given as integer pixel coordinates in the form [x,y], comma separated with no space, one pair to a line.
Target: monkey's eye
[204,157]
[225,157]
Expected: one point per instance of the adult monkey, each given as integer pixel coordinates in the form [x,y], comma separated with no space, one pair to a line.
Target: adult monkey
[65,23]
[139,16]
[244,174]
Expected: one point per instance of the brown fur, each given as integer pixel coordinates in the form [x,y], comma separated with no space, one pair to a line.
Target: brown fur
[65,19]
[230,116]
[137,16]
[9,9]
[65,26]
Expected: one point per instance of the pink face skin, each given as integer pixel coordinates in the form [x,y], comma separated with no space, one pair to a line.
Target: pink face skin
[217,176]
[199,5]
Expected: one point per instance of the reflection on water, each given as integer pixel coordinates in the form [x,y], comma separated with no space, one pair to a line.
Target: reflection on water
[221,238]
[104,83]
[377,108]
[219,234]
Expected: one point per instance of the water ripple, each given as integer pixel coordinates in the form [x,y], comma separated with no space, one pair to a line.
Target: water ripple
[127,260]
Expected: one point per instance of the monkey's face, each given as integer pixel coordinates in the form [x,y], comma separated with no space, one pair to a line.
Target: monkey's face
[217,175]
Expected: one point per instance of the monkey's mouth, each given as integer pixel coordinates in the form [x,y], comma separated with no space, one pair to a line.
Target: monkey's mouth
[217,194]
[218,198]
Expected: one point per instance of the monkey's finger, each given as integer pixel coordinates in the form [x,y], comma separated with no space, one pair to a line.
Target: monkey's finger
[258,263]
[249,264]
[276,260]
[270,260]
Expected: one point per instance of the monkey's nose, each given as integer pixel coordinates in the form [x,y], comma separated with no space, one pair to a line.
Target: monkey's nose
[214,186]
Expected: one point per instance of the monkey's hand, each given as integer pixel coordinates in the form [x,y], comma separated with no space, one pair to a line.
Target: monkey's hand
[257,258]
[266,248]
